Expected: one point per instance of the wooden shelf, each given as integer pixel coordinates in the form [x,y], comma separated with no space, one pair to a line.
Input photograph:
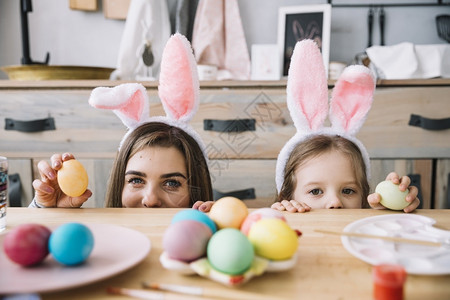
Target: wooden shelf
[229,84]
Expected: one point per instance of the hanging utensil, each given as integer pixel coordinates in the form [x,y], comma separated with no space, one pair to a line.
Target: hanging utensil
[370,25]
[362,58]
[382,20]
[443,27]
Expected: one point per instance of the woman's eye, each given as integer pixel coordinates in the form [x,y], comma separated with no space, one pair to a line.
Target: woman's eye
[135,181]
[315,192]
[348,191]
[173,184]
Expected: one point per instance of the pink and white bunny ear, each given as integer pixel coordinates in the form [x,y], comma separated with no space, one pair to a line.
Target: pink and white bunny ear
[307,88]
[178,80]
[307,99]
[351,99]
[129,101]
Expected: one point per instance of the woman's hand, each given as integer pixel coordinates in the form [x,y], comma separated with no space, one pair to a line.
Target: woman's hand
[203,206]
[403,184]
[291,206]
[47,190]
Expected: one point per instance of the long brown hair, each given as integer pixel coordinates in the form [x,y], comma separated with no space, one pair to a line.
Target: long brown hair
[162,135]
[316,146]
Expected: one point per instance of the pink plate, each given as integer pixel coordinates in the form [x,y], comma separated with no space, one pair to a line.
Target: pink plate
[116,249]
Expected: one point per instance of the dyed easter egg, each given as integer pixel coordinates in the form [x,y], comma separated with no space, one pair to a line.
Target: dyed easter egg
[72,178]
[228,212]
[229,251]
[391,196]
[27,244]
[259,214]
[196,215]
[71,243]
[186,240]
[273,239]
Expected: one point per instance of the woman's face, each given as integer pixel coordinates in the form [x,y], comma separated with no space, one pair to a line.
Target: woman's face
[156,177]
[328,181]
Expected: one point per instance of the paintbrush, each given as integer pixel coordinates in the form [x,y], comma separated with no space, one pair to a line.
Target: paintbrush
[386,238]
[206,292]
[145,294]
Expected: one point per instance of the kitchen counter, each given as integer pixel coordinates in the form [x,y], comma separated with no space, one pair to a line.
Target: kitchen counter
[324,268]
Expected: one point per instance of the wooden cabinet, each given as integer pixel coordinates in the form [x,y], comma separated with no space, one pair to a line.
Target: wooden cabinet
[240,160]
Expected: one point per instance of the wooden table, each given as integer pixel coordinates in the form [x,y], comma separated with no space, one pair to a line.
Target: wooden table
[325,269]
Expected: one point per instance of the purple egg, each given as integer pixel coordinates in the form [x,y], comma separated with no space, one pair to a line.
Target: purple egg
[186,240]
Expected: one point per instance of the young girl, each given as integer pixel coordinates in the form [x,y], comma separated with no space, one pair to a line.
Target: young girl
[327,167]
[329,172]
[161,160]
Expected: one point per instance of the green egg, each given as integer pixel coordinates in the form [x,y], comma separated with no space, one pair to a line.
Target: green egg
[229,251]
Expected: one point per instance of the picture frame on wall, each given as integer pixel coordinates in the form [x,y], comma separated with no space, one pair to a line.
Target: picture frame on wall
[296,23]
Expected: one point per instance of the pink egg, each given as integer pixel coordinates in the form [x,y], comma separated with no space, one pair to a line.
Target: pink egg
[27,244]
[259,214]
[186,240]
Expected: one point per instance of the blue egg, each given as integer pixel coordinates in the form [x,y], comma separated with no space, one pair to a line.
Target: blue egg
[196,215]
[71,243]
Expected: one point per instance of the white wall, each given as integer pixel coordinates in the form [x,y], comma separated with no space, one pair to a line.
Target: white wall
[88,38]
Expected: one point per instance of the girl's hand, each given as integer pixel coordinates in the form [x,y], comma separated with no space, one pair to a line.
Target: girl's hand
[47,190]
[203,206]
[291,206]
[403,184]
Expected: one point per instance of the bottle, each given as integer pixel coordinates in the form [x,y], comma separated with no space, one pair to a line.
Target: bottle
[388,282]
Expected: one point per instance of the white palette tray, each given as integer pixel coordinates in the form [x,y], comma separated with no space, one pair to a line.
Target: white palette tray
[416,259]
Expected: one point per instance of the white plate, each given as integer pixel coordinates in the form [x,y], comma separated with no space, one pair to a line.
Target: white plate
[416,259]
[116,249]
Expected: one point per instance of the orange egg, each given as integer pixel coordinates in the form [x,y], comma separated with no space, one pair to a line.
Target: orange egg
[73,178]
[228,212]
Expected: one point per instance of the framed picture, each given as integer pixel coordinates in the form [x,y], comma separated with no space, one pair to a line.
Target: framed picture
[296,23]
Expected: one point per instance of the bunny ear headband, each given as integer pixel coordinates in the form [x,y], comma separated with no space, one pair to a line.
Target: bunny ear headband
[307,100]
[178,89]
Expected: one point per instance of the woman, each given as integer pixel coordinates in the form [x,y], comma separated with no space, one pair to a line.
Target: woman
[158,165]
[162,160]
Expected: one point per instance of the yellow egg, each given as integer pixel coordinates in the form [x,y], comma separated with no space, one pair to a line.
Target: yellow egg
[73,178]
[273,239]
[228,212]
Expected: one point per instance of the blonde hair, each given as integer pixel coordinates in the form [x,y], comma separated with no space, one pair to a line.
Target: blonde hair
[162,135]
[316,146]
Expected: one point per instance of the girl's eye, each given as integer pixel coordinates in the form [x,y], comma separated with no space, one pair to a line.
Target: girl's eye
[348,191]
[315,192]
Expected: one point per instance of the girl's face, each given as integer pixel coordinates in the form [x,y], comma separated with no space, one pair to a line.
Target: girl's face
[327,181]
[156,177]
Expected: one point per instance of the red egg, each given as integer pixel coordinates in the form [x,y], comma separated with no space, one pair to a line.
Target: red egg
[186,240]
[27,244]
